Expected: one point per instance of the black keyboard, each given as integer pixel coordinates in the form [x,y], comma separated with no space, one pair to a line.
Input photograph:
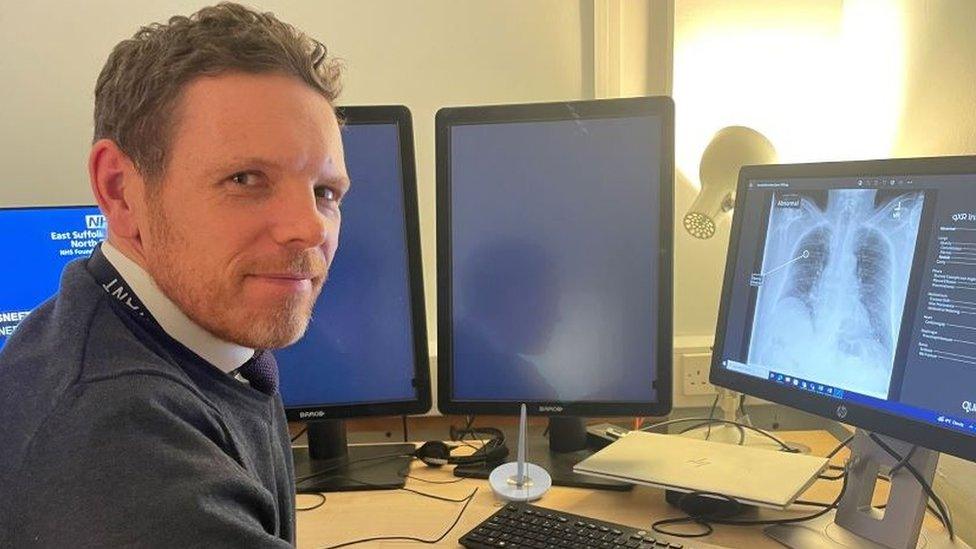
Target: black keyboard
[524,526]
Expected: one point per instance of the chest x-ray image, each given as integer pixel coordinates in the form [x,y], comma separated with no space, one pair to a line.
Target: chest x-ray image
[831,292]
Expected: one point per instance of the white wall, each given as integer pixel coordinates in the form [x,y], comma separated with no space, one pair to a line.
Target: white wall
[425,54]
[822,79]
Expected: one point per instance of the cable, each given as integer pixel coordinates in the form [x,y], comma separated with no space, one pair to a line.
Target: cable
[785,447]
[740,428]
[711,415]
[404,428]
[300,433]
[341,464]
[904,461]
[840,447]
[706,521]
[459,434]
[929,507]
[312,507]
[411,490]
[843,444]
[431,481]
[885,478]
[467,501]
[828,477]
[946,519]
[497,439]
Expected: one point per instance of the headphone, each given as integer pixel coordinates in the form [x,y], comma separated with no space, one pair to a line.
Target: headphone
[437,454]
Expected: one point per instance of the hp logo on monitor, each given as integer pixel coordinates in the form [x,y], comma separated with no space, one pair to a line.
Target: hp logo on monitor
[842,411]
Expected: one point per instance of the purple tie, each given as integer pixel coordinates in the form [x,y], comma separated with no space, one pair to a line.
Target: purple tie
[261,371]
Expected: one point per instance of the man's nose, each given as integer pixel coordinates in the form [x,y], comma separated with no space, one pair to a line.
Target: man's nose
[297,221]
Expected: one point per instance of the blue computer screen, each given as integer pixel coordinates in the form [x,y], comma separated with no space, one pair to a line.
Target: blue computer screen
[359,344]
[554,248]
[861,289]
[40,242]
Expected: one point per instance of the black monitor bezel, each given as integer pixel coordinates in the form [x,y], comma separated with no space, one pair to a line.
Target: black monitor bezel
[447,118]
[900,427]
[399,115]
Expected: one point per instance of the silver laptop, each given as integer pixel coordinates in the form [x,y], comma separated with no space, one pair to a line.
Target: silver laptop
[755,476]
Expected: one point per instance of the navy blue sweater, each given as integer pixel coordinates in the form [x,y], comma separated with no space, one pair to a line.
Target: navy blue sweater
[113,434]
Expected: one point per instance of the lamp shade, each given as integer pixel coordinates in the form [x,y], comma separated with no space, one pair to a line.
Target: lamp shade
[731,148]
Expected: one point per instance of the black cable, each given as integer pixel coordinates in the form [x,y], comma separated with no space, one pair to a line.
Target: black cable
[404,428]
[497,439]
[783,446]
[467,501]
[711,415]
[459,434]
[411,490]
[706,521]
[843,444]
[432,481]
[300,433]
[312,507]
[828,477]
[742,431]
[341,464]
[904,461]
[946,519]
[840,447]
[811,503]
[928,505]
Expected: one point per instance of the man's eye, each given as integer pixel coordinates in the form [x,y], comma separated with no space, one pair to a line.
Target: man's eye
[244,179]
[327,194]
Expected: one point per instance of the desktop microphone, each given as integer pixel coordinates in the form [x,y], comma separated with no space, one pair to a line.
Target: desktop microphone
[518,480]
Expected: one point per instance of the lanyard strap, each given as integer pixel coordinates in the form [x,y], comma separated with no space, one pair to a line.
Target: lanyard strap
[119,290]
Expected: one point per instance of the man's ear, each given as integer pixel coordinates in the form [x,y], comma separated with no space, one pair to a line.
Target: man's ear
[117,186]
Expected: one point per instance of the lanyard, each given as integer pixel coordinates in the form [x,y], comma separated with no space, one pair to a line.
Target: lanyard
[123,298]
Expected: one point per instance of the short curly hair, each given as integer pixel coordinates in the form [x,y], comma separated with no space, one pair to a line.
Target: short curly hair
[137,92]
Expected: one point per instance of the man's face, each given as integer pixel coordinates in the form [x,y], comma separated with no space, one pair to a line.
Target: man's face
[243,226]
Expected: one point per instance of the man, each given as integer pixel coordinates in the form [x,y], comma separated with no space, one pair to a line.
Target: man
[140,404]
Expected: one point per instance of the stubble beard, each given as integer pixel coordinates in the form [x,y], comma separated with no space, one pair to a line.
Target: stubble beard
[214,305]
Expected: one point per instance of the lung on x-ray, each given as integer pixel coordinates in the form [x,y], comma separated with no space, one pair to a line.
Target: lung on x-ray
[831,290]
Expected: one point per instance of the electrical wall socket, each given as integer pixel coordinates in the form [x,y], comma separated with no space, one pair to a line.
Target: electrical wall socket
[692,361]
[694,374]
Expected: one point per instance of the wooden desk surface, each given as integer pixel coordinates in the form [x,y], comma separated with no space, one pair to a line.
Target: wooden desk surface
[354,515]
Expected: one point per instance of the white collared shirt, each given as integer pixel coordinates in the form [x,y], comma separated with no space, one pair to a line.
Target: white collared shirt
[225,355]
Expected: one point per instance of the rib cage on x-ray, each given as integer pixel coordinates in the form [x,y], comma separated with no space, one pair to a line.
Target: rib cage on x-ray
[833,287]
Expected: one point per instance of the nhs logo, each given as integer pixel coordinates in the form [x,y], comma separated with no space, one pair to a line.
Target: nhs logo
[95,221]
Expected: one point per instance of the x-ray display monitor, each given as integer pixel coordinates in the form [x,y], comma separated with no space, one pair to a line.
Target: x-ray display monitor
[851,291]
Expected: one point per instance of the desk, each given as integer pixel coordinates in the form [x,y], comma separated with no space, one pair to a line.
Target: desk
[354,515]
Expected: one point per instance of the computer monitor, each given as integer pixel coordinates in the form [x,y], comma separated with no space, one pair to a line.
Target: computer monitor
[850,292]
[41,240]
[554,231]
[365,351]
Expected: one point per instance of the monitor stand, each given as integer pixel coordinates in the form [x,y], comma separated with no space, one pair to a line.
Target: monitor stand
[339,467]
[565,448]
[856,523]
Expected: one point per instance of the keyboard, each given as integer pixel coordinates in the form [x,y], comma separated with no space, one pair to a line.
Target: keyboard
[525,526]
